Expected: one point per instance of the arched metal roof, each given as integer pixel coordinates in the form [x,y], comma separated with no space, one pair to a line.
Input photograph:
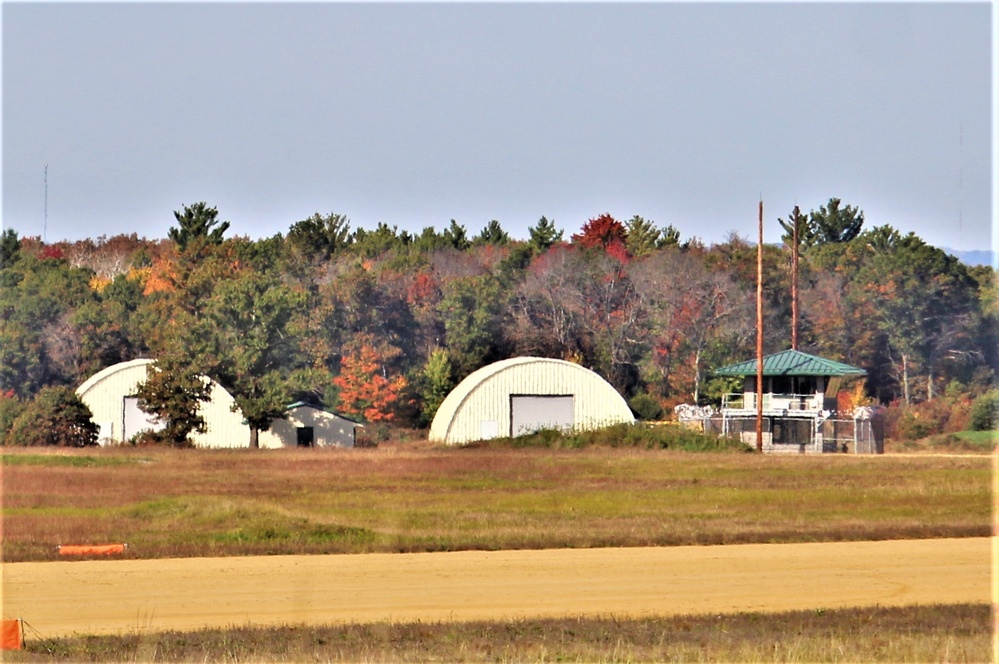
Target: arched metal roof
[101,375]
[485,395]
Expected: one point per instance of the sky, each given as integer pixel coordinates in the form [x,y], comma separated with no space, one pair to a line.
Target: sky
[117,114]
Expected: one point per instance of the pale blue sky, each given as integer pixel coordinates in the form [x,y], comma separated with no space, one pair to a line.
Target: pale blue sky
[414,114]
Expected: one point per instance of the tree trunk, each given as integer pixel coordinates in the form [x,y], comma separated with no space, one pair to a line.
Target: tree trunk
[929,385]
[254,438]
[697,377]
[905,379]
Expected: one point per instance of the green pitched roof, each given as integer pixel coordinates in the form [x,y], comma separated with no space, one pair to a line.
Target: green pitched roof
[792,363]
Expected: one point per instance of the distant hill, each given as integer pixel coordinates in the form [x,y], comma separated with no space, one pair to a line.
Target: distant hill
[977,257]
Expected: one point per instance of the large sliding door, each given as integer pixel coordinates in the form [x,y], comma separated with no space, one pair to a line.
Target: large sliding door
[533,412]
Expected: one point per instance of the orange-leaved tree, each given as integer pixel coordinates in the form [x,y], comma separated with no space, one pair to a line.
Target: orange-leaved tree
[366,388]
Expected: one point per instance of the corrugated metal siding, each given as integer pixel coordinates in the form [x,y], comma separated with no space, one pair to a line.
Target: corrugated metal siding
[105,391]
[225,428]
[104,394]
[485,396]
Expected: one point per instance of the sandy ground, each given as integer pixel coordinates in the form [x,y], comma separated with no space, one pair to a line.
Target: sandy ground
[99,597]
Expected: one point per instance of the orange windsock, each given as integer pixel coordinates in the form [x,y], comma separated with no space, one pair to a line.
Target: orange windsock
[11,635]
[90,549]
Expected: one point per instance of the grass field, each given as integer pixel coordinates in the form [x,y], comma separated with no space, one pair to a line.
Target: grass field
[167,503]
[914,634]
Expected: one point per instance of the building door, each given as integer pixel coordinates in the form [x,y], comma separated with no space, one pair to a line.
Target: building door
[306,436]
[535,412]
[136,420]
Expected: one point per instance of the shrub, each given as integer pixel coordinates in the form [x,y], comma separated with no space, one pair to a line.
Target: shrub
[911,425]
[673,437]
[985,412]
[942,415]
[10,408]
[149,437]
[646,407]
[56,416]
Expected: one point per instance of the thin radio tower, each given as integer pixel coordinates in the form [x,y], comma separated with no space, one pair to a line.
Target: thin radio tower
[45,222]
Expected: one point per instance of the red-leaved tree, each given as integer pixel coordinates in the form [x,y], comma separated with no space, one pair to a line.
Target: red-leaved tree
[601,232]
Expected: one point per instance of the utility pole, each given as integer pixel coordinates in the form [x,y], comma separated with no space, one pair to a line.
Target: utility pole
[45,221]
[794,279]
[759,336]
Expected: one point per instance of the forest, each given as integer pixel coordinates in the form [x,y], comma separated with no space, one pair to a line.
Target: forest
[380,324]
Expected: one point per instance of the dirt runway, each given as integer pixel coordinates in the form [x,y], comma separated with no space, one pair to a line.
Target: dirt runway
[101,597]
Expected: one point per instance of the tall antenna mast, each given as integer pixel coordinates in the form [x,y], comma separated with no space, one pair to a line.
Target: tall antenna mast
[45,222]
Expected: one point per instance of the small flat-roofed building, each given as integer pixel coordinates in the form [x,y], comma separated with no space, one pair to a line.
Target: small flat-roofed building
[309,426]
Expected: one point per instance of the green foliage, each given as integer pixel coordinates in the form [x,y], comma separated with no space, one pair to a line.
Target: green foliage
[646,312]
[10,408]
[833,224]
[10,245]
[353,304]
[985,412]
[922,300]
[472,309]
[60,460]
[255,355]
[516,261]
[624,436]
[543,235]
[429,240]
[38,343]
[371,244]
[798,221]
[456,237]
[670,237]
[437,382]
[197,223]
[55,417]
[320,237]
[646,407]
[643,236]
[492,234]
[716,388]
[173,392]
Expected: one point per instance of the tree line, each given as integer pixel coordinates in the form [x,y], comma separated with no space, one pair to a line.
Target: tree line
[379,324]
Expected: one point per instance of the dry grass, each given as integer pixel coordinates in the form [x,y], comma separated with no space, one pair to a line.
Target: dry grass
[168,503]
[958,633]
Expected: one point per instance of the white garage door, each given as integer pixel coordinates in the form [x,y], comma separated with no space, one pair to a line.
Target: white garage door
[533,412]
[137,420]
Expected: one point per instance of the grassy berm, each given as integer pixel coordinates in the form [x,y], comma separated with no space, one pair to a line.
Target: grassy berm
[916,634]
[506,495]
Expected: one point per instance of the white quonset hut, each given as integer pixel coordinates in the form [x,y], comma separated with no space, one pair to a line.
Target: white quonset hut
[524,394]
[110,395]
